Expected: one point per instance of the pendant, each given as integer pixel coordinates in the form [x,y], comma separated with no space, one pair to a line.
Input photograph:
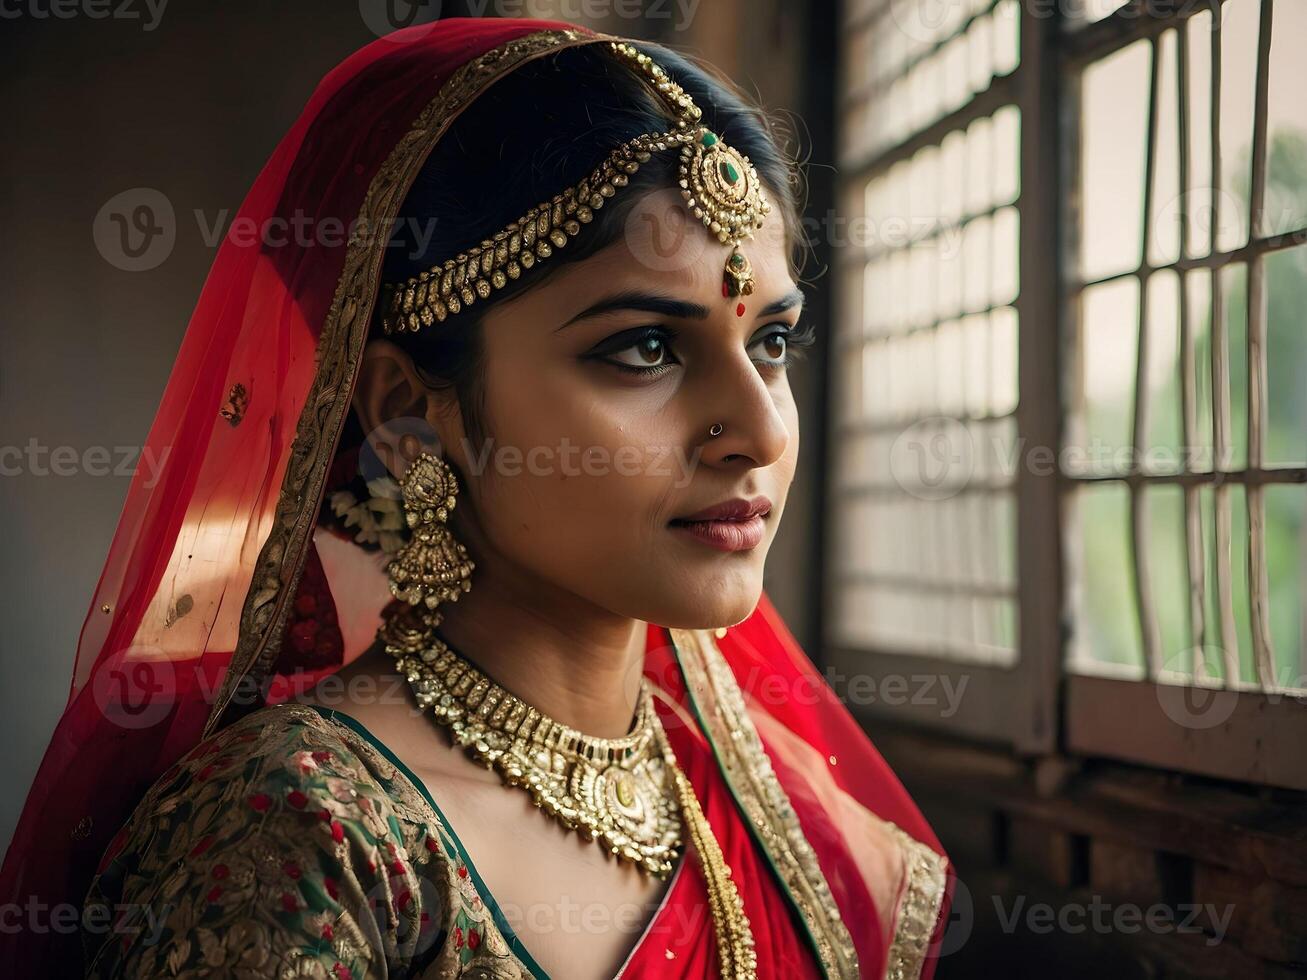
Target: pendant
[738,275]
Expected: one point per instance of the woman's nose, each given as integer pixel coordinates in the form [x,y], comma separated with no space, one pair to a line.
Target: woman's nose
[752,429]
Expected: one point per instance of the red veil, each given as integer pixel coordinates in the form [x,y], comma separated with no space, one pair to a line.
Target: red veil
[188,618]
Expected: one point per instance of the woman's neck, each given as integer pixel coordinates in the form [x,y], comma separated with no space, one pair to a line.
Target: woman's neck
[577,664]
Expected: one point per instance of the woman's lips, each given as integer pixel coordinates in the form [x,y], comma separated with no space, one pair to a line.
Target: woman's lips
[725,535]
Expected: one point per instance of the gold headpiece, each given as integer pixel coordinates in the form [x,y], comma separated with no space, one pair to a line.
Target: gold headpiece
[719,184]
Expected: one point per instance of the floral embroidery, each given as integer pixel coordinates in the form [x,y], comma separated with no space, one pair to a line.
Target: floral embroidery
[305,854]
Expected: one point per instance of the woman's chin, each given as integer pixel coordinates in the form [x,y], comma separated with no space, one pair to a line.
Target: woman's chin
[710,606]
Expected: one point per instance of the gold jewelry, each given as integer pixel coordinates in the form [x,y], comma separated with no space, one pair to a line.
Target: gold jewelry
[433,567]
[616,791]
[719,184]
[738,959]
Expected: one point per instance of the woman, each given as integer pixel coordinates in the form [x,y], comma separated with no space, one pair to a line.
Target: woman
[372,684]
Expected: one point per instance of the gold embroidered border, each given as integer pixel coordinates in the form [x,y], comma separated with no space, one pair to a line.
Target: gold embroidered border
[918,910]
[340,344]
[753,782]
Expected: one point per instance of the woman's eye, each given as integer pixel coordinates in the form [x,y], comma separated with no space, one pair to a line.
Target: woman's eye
[774,347]
[647,352]
[650,352]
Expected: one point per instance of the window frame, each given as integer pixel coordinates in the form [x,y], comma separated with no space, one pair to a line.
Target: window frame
[1037,706]
[1012,705]
[1230,733]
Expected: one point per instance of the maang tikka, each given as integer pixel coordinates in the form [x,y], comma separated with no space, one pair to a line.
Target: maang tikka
[718,184]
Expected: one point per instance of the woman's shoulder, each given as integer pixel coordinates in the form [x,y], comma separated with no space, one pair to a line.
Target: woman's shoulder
[290,760]
[285,844]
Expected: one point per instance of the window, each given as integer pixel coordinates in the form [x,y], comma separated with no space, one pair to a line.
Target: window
[1070,444]
[923,570]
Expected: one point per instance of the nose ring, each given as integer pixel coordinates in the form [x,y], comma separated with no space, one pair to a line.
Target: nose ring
[716,430]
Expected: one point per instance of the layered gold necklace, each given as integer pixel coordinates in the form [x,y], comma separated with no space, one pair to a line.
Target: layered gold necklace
[628,794]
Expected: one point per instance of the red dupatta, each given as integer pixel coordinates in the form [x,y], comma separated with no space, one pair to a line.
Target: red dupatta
[189,615]
[887,881]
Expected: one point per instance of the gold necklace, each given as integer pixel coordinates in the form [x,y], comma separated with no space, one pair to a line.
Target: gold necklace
[623,792]
[615,791]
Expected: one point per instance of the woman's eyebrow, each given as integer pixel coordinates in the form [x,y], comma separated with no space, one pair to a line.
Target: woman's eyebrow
[646,302]
[792,299]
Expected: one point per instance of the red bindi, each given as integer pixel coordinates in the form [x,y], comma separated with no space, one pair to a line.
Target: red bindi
[739,310]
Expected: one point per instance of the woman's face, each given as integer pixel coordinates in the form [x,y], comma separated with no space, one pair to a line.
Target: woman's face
[601,385]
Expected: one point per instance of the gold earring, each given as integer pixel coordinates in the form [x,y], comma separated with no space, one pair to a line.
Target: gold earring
[433,567]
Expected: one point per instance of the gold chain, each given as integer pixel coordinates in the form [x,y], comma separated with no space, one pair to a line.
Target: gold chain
[737,957]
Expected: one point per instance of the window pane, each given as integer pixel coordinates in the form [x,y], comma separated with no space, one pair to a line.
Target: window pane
[975,358]
[1166,205]
[1239,22]
[980,160]
[1003,333]
[997,521]
[1007,36]
[1113,128]
[1198,196]
[1229,621]
[1007,155]
[1165,438]
[977,270]
[1198,289]
[1109,339]
[1234,286]
[1286,347]
[1168,575]
[1006,253]
[980,52]
[996,630]
[949,367]
[1286,159]
[1286,545]
[1106,632]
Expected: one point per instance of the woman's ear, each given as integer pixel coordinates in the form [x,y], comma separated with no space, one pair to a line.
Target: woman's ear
[400,414]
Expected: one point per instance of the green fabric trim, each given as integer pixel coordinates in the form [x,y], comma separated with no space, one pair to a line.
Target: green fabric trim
[501,922]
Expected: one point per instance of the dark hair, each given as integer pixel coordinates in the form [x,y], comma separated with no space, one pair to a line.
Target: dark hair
[541,129]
